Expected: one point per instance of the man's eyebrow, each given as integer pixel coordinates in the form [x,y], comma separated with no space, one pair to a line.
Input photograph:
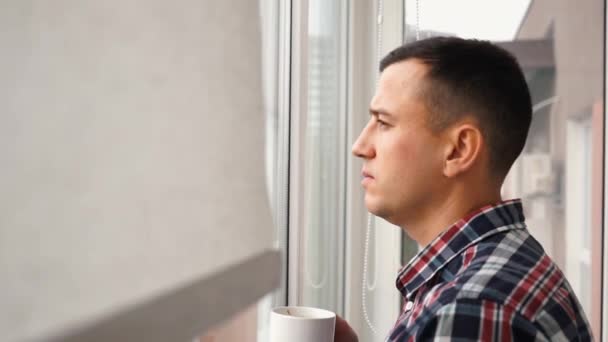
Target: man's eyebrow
[379,111]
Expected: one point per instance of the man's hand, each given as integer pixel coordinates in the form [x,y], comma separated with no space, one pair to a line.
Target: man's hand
[344,333]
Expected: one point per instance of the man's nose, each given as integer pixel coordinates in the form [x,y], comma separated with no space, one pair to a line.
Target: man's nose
[362,147]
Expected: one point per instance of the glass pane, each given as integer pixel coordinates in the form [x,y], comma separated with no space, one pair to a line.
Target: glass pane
[560,45]
[323,195]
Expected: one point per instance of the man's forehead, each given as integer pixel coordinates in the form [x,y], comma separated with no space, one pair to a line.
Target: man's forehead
[403,74]
[399,81]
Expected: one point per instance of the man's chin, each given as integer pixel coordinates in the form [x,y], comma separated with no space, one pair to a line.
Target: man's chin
[374,207]
[377,208]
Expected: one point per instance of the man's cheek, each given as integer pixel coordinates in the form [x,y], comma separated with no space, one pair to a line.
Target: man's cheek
[404,154]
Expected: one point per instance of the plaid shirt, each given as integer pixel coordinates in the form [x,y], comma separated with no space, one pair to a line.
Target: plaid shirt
[486,278]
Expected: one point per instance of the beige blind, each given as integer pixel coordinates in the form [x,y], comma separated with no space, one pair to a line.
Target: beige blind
[131,151]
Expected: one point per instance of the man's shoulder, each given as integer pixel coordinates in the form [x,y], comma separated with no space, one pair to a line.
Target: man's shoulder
[505,278]
[539,301]
[510,269]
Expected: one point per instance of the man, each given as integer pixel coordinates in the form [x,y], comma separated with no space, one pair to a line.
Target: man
[449,118]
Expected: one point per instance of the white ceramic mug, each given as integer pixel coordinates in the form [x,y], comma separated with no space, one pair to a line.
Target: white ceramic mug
[301,324]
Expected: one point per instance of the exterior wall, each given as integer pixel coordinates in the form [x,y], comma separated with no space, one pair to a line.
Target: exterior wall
[577,31]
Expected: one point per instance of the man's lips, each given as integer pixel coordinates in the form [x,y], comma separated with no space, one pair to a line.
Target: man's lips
[367,178]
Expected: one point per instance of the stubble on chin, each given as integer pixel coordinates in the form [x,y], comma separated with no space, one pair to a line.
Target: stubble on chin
[375,207]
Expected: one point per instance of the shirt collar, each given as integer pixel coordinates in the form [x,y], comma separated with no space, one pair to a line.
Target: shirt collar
[486,221]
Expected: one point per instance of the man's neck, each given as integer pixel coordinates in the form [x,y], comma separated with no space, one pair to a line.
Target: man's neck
[441,216]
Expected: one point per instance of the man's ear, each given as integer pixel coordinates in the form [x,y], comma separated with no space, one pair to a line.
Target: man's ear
[463,148]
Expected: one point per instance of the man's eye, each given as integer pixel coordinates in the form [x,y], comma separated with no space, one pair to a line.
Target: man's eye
[382,124]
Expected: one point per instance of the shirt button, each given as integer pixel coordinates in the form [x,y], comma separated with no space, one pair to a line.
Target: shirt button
[409,306]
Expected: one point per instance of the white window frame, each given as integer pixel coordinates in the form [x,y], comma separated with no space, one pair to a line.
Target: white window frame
[604,207]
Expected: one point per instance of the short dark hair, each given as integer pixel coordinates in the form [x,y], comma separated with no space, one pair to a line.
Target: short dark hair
[468,76]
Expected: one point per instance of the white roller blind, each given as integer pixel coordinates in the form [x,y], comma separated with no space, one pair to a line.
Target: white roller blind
[131,153]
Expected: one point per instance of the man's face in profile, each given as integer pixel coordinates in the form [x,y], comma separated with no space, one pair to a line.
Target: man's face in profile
[402,157]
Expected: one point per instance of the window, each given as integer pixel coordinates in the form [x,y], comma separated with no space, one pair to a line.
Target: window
[319,154]
[323,158]
[321,70]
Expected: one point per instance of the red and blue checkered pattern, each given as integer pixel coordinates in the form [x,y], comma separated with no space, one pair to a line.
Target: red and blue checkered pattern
[485,278]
